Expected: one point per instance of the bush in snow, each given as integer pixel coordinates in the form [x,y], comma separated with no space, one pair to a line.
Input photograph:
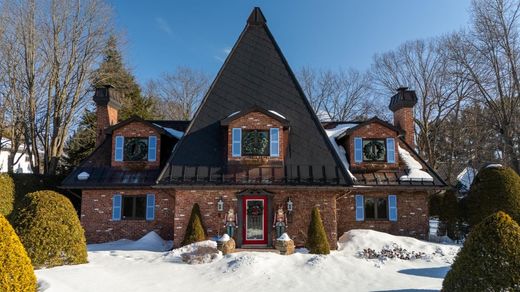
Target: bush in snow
[50,230]
[200,255]
[449,214]
[195,229]
[6,194]
[317,242]
[16,272]
[390,253]
[494,189]
[489,259]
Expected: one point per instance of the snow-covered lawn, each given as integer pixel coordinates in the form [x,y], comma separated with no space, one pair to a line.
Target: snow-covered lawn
[143,266]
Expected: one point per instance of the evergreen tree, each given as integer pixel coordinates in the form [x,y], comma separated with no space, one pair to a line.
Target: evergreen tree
[494,189]
[489,259]
[195,229]
[449,214]
[81,143]
[317,242]
[112,71]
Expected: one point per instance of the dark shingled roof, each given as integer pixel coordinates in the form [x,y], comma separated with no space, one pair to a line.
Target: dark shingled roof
[255,73]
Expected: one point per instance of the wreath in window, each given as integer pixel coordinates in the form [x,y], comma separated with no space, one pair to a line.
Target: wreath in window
[255,210]
[136,149]
[255,143]
[374,150]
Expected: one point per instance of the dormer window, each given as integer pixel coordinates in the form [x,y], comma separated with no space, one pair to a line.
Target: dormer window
[135,148]
[374,150]
[255,142]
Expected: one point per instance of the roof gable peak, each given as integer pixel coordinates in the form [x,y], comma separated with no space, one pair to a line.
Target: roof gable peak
[256,17]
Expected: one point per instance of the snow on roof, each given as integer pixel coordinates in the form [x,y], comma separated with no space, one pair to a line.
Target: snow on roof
[466,177]
[278,114]
[175,133]
[494,165]
[415,172]
[340,150]
[83,176]
[232,114]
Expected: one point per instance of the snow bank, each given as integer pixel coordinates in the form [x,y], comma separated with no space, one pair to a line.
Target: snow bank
[224,238]
[354,241]
[175,255]
[284,237]
[415,172]
[150,242]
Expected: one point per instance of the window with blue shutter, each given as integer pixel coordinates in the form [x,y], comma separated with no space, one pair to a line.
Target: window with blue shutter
[358,149]
[275,142]
[390,150]
[150,207]
[116,207]
[360,212]
[118,155]
[236,144]
[392,207]
[152,148]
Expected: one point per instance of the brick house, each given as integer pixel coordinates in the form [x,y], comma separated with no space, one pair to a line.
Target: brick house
[254,146]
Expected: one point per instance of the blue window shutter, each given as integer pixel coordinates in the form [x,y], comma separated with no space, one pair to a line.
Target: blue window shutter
[152,148]
[120,141]
[358,149]
[360,208]
[275,142]
[150,207]
[116,207]
[392,207]
[236,143]
[390,150]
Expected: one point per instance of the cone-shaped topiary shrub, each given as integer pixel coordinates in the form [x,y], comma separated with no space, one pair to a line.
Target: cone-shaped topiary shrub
[489,259]
[16,271]
[195,229]
[317,241]
[449,214]
[494,189]
[50,230]
[6,194]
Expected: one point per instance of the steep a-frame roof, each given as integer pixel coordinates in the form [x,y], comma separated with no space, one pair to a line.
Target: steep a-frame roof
[255,73]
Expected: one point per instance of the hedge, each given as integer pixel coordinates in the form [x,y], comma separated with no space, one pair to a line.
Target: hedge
[6,194]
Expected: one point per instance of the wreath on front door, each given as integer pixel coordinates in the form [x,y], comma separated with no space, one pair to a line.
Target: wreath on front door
[255,210]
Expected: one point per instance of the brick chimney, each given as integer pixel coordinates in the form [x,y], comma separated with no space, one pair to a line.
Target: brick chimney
[401,104]
[107,106]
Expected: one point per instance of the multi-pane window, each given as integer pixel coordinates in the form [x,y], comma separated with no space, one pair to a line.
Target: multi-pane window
[371,208]
[374,150]
[255,143]
[136,149]
[134,207]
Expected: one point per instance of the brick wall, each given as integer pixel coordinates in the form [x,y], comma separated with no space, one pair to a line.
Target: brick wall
[403,118]
[412,212]
[96,216]
[257,121]
[213,220]
[376,131]
[136,129]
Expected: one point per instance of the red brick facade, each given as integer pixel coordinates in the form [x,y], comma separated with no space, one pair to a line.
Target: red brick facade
[403,118]
[136,129]
[106,116]
[173,209]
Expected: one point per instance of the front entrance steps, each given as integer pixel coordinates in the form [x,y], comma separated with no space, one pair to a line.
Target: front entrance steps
[249,249]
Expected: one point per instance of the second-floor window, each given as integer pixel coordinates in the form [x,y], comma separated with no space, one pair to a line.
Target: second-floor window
[135,148]
[255,142]
[374,150]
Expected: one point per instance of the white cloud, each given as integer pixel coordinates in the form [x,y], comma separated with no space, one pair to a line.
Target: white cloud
[164,25]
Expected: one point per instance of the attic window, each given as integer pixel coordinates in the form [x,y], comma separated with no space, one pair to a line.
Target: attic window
[374,150]
[255,143]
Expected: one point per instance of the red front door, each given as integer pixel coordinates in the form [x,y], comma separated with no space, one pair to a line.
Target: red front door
[254,220]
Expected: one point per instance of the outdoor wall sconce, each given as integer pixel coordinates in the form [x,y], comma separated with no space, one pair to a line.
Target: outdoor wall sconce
[220,205]
[289,205]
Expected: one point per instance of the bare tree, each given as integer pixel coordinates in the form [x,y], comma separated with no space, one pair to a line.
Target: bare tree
[341,95]
[489,58]
[178,93]
[58,42]
[421,66]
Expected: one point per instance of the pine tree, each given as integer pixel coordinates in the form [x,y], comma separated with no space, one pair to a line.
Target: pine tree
[113,71]
[195,229]
[82,142]
[489,259]
[317,242]
[449,213]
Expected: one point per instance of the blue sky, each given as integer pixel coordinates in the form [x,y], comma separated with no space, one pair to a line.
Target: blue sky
[161,35]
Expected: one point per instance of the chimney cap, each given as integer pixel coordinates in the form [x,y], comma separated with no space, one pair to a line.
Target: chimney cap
[404,98]
[107,94]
